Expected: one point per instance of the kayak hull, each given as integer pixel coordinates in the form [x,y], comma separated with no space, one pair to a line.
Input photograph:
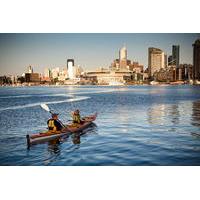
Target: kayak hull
[70,128]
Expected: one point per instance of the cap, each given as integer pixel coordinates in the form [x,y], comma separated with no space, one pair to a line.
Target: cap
[54,114]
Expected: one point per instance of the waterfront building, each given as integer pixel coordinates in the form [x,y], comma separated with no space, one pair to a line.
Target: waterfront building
[179,73]
[124,65]
[115,64]
[47,73]
[84,79]
[105,77]
[172,73]
[32,77]
[166,60]
[78,71]
[156,60]
[186,70]
[55,72]
[63,75]
[136,67]
[196,60]
[175,55]
[170,61]
[5,80]
[166,74]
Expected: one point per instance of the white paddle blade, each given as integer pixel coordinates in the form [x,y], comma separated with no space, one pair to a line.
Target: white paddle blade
[45,107]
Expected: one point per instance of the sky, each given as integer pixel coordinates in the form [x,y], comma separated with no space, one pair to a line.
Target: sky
[90,51]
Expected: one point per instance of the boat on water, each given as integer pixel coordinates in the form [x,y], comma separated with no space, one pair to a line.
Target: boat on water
[69,129]
[154,83]
[115,83]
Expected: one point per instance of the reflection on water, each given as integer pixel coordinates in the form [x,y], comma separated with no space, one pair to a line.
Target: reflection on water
[157,114]
[175,114]
[53,146]
[76,138]
[196,113]
[163,114]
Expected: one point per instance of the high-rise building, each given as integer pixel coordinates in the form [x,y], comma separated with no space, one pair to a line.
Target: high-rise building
[123,58]
[166,61]
[186,71]
[79,70]
[175,55]
[30,69]
[55,72]
[156,60]
[170,60]
[47,73]
[71,69]
[196,60]
[62,74]
[123,53]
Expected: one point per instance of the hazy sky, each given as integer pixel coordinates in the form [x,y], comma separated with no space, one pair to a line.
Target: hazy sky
[90,51]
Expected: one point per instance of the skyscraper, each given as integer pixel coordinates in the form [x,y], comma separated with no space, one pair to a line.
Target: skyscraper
[30,69]
[170,60]
[175,55]
[166,61]
[156,60]
[123,58]
[123,53]
[55,72]
[47,73]
[196,60]
[71,68]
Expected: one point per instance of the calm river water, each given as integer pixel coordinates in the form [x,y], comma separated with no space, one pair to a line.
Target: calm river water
[136,125]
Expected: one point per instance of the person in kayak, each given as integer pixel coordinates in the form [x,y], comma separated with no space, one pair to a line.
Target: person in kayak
[54,123]
[76,117]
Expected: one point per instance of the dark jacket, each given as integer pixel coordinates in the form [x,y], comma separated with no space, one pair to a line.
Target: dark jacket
[54,125]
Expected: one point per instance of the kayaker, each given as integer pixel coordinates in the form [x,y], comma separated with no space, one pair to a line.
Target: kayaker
[76,117]
[54,124]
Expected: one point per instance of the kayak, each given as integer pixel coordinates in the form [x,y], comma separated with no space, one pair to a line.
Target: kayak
[69,129]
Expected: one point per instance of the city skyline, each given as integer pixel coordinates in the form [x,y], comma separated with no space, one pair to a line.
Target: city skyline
[90,51]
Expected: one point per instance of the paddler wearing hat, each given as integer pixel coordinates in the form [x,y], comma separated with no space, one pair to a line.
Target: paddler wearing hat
[54,124]
[76,118]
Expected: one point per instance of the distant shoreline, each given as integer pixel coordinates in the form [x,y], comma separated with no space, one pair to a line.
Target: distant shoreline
[75,85]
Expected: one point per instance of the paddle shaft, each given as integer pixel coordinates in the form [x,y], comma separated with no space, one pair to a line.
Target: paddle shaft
[45,107]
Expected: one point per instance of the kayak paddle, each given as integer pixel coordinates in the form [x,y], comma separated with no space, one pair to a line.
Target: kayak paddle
[45,107]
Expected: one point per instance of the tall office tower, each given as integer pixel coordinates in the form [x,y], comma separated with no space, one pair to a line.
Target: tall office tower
[55,72]
[196,60]
[166,61]
[47,73]
[156,60]
[175,55]
[71,69]
[30,69]
[170,61]
[123,58]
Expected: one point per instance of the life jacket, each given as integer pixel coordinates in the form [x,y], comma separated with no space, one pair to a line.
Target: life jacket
[51,125]
[76,118]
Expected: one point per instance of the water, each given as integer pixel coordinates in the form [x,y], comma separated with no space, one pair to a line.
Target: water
[136,125]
